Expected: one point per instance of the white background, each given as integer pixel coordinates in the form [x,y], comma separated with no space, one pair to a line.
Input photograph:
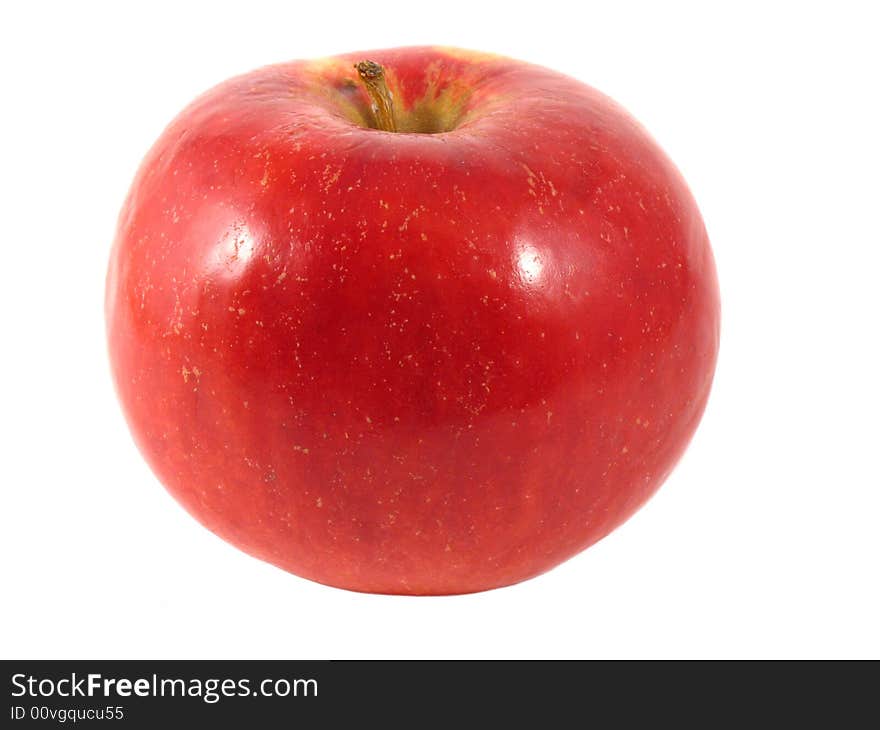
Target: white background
[763,543]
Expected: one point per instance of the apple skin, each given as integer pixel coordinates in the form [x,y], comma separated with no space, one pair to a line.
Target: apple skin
[402,362]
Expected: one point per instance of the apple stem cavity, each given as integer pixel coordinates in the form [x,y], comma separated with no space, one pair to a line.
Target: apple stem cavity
[373,77]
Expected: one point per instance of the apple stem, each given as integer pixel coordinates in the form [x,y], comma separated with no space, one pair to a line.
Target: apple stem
[373,77]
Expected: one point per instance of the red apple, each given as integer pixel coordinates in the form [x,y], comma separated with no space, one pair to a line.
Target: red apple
[426,330]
